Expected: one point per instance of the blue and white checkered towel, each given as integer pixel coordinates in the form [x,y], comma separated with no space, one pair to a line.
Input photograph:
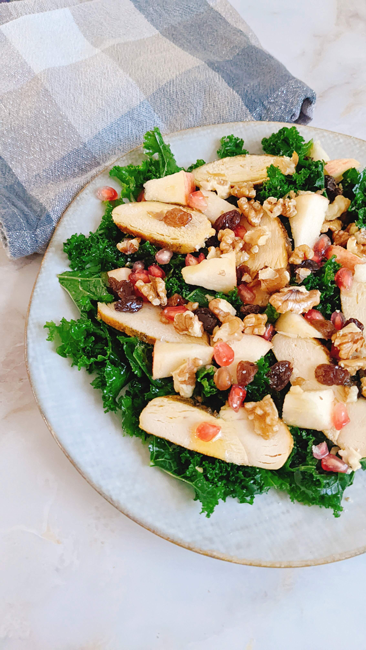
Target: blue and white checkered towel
[81,82]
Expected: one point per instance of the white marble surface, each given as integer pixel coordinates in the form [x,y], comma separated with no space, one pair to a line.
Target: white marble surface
[75,574]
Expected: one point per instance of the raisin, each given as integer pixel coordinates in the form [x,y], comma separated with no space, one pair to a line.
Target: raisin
[212,241]
[176,300]
[330,375]
[251,309]
[177,218]
[207,318]
[331,187]
[122,288]
[222,379]
[279,375]
[309,264]
[356,322]
[229,220]
[325,327]
[245,372]
[129,303]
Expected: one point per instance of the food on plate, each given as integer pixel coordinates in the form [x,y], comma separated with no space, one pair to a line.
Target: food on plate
[222,313]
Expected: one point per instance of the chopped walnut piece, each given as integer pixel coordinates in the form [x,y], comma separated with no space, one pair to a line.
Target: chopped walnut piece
[230,330]
[154,290]
[129,246]
[296,299]
[363,386]
[352,457]
[341,237]
[333,226]
[241,190]
[301,253]
[274,207]
[273,279]
[353,365]
[264,416]
[222,309]
[301,274]
[226,238]
[337,207]
[188,323]
[349,341]
[255,324]
[252,211]
[192,306]
[356,243]
[256,237]
[185,377]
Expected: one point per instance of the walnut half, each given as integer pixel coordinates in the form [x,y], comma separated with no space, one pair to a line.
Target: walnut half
[129,246]
[296,299]
[264,416]
[185,377]
[349,342]
[188,323]
[255,324]
[154,291]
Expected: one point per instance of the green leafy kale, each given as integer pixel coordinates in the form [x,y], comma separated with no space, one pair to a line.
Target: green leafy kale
[323,280]
[231,146]
[82,288]
[285,142]
[259,387]
[354,187]
[198,163]
[271,313]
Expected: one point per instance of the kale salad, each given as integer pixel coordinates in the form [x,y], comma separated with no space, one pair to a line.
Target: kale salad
[222,314]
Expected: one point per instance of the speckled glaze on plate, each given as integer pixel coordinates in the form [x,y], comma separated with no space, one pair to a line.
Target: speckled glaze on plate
[271,533]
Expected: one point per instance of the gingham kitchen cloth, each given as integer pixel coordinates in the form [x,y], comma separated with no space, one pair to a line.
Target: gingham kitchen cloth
[81,82]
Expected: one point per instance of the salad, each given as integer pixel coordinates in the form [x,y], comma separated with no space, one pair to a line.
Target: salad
[222,311]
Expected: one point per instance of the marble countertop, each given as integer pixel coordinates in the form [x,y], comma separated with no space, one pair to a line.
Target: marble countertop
[78,575]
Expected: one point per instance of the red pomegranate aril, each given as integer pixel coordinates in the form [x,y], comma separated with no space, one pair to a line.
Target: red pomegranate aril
[236,397]
[246,295]
[344,279]
[334,352]
[191,260]
[138,266]
[139,275]
[106,194]
[141,196]
[321,245]
[170,312]
[320,451]
[317,258]
[156,271]
[223,354]
[197,201]
[332,463]
[163,256]
[222,379]
[338,319]
[340,416]
[201,257]
[240,231]
[313,314]
[269,332]
[207,431]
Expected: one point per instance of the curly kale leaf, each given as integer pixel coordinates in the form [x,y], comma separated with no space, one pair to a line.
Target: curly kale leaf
[159,153]
[271,313]
[277,185]
[82,288]
[198,163]
[285,142]
[323,280]
[231,146]
[354,186]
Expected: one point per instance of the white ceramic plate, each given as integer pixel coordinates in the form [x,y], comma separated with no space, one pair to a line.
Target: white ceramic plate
[273,531]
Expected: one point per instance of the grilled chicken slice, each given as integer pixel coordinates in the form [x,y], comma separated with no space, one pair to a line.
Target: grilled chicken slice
[221,175]
[176,420]
[307,223]
[276,250]
[217,274]
[168,357]
[145,220]
[145,324]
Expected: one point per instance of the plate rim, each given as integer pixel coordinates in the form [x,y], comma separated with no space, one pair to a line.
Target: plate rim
[337,557]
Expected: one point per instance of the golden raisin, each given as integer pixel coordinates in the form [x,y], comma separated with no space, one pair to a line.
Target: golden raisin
[177,218]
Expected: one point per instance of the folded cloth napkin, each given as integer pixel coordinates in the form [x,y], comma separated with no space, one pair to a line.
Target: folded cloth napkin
[81,82]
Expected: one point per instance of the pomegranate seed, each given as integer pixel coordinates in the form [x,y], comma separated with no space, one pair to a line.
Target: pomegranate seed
[321,245]
[246,295]
[207,431]
[343,278]
[197,201]
[240,231]
[317,258]
[237,396]
[139,275]
[222,379]
[138,266]
[223,354]
[334,352]
[269,332]
[320,451]
[201,257]
[164,256]
[332,463]
[169,312]
[313,314]
[338,320]
[340,416]
[156,271]
[141,196]
[106,194]
[191,260]
[343,257]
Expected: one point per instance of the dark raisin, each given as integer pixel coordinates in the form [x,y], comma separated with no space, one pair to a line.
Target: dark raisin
[123,288]
[331,187]
[176,300]
[240,271]
[309,264]
[251,309]
[207,318]
[279,375]
[212,241]
[325,327]
[229,219]
[245,372]
[129,303]
[330,375]
[356,322]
